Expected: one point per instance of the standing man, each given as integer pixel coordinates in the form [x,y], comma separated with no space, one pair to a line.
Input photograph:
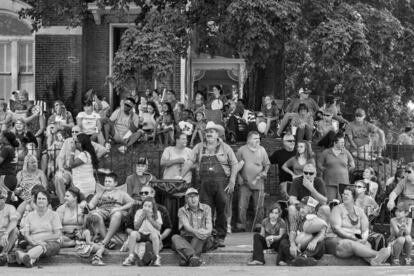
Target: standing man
[253,174]
[218,169]
[279,157]
[195,225]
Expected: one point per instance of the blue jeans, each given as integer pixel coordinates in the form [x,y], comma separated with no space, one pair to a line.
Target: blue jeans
[245,193]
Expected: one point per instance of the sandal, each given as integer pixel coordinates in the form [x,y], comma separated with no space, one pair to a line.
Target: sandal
[110,245]
[86,252]
[97,261]
[255,262]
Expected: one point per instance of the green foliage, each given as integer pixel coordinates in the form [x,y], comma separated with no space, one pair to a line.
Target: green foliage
[152,49]
[257,30]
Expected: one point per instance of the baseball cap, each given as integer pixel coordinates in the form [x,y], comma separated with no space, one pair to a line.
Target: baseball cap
[191,191]
[310,201]
[304,91]
[359,112]
[142,161]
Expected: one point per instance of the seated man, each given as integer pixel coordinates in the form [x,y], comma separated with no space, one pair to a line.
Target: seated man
[367,141]
[123,126]
[293,108]
[305,244]
[141,177]
[63,176]
[194,233]
[8,227]
[110,205]
[308,185]
[404,189]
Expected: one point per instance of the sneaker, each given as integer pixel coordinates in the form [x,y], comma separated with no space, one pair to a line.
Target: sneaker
[122,149]
[255,262]
[157,261]
[19,257]
[220,243]
[183,262]
[195,261]
[27,261]
[3,259]
[381,257]
[97,261]
[395,262]
[130,260]
[310,261]
[282,263]
[228,228]
[407,261]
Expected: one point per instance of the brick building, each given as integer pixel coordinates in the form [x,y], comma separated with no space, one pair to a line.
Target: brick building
[58,62]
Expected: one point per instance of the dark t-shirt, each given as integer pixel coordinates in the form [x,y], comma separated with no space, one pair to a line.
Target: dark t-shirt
[8,166]
[299,191]
[279,157]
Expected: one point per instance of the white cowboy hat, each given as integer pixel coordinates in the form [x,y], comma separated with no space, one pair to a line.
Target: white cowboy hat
[216,127]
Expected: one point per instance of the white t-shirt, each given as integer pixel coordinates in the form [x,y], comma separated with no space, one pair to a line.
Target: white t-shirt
[82,176]
[89,122]
[171,172]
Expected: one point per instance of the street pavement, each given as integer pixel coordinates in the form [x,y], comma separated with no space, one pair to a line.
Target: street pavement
[113,270]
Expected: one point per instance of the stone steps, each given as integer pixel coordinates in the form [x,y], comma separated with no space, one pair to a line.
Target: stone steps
[215,258]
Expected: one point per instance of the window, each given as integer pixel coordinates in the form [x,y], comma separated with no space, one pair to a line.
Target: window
[26,78]
[5,69]
[16,67]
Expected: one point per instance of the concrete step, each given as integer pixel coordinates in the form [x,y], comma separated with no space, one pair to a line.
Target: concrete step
[215,258]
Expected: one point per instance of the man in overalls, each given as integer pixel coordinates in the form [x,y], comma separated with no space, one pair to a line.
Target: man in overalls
[218,169]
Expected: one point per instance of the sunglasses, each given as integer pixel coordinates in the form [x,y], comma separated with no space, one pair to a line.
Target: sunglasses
[326,115]
[290,141]
[144,193]
[308,173]
[359,115]
[359,187]
[75,131]
[408,171]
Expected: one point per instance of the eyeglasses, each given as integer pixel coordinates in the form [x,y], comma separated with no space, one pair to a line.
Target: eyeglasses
[144,193]
[308,173]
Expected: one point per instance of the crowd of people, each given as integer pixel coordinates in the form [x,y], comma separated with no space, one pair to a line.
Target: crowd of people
[320,210]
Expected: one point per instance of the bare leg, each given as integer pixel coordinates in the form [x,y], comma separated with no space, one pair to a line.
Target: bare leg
[134,236]
[116,219]
[155,239]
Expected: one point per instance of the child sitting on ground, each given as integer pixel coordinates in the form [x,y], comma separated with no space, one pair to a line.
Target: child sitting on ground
[88,240]
[400,238]
[147,222]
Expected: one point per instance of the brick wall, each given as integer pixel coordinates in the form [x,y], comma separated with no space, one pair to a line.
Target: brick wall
[96,44]
[59,56]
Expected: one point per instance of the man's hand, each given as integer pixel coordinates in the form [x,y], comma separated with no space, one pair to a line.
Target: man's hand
[269,240]
[312,245]
[180,160]
[4,240]
[307,184]
[202,235]
[293,250]
[390,205]
[230,188]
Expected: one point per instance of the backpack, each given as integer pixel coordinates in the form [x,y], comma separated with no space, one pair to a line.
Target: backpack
[377,241]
